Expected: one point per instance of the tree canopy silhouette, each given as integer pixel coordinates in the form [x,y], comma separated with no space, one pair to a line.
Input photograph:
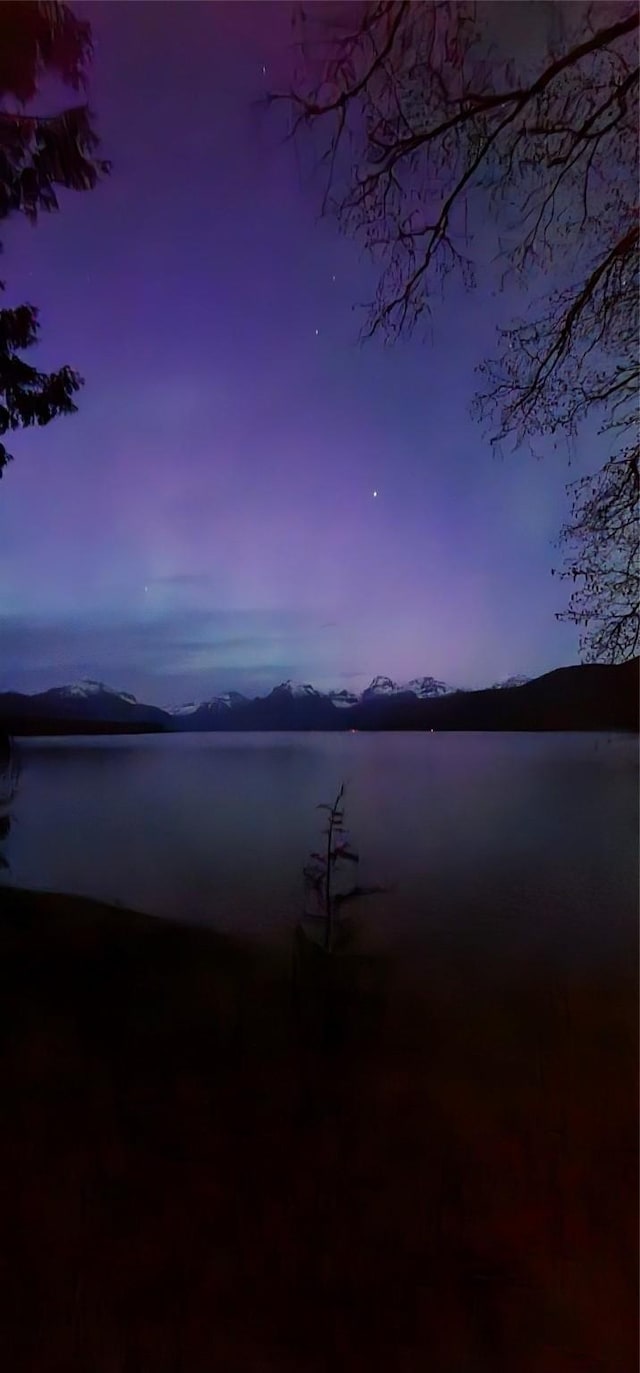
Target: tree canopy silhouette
[39,154]
[432,136]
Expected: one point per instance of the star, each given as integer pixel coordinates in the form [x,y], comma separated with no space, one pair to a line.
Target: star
[375,493]
[317,332]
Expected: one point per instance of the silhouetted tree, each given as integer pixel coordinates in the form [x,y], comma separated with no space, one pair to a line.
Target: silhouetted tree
[9,772]
[428,130]
[321,872]
[38,155]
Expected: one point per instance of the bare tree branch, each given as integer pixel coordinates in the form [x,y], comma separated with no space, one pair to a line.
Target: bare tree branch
[426,128]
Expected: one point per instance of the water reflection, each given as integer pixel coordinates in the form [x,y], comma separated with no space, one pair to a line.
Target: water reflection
[508,840]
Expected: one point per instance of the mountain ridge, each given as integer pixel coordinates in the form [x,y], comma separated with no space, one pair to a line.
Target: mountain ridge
[589,696]
[422,687]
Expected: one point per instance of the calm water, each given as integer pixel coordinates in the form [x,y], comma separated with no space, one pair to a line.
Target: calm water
[529,838]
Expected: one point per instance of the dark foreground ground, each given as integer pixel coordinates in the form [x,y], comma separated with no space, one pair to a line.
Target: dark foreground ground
[197,1176]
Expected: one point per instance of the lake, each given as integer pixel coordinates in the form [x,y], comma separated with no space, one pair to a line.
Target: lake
[525,841]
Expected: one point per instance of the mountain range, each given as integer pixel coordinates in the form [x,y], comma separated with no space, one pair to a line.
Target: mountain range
[591,696]
[294,694]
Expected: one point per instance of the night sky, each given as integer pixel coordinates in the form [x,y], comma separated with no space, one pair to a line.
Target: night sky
[207,520]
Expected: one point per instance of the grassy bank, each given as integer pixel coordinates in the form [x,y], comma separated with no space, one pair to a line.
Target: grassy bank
[195,1176]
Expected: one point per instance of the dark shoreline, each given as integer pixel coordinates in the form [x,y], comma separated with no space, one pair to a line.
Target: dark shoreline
[194,1181]
[52,729]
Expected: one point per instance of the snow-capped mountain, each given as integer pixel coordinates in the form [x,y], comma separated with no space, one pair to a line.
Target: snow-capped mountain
[516,681]
[227,701]
[86,689]
[298,690]
[380,686]
[423,687]
[343,699]
[588,697]
[427,687]
[231,699]
[85,703]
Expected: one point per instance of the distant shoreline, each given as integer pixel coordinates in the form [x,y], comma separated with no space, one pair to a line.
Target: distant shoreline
[80,730]
[51,729]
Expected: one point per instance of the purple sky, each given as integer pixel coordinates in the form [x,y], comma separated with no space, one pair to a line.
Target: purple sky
[207,519]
